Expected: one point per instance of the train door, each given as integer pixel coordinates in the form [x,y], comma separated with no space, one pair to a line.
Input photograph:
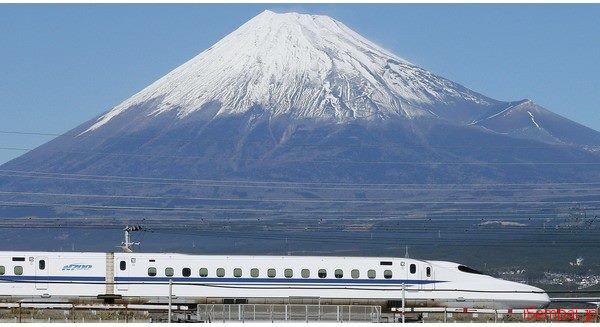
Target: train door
[122,273]
[41,273]
[427,277]
[403,272]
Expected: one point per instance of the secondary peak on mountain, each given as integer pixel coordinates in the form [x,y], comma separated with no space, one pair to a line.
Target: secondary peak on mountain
[302,66]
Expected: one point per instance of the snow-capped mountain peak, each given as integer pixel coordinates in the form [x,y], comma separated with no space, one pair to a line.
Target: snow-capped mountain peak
[300,65]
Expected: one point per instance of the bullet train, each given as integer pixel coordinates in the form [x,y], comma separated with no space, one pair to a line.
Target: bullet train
[150,277]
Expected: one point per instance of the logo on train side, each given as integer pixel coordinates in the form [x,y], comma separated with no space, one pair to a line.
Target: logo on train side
[77,266]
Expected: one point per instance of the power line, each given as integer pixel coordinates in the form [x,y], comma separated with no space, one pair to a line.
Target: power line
[239,210]
[337,161]
[389,240]
[380,238]
[457,233]
[427,187]
[260,184]
[271,210]
[284,200]
[277,142]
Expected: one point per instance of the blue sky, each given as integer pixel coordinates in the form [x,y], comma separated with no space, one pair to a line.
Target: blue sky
[61,65]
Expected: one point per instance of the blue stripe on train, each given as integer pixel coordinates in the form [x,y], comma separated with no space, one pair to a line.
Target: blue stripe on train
[277,280]
[53,278]
[220,280]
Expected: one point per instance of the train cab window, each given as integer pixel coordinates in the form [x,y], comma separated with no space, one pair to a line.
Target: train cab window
[42,264]
[169,272]
[203,272]
[2,270]
[220,272]
[322,273]
[122,265]
[338,273]
[254,272]
[387,274]
[152,271]
[413,268]
[186,272]
[428,271]
[305,273]
[237,272]
[271,273]
[355,273]
[288,273]
[18,270]
[371,274]
[469,270]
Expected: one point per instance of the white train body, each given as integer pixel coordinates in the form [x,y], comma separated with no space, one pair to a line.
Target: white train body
[145,277]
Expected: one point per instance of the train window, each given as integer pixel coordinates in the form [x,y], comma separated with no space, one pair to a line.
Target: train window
[428,271]
[186,272]
[387,274]
[385,263]
[237,272]
[2,270]
[18,259]
[371,274]
[288,273]
[469,270]
[151,271]
[42,264]
[322,273]
[413,268]
[203,272]
[122,265]
[220,272]
[169,272]
[254,272]
[305,273]
[271,273]
[338,273]
[18,270]
[355,273]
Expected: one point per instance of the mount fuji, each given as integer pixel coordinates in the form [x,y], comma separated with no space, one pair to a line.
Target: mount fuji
[303,98]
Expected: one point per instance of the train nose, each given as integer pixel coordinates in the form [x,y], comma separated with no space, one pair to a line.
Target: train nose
[538,297]
[525,296]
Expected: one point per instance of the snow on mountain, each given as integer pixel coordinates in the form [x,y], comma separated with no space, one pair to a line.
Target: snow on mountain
[303,66]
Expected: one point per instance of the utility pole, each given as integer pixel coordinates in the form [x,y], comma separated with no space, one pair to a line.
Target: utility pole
[170,299]
[127,244]
[403,301]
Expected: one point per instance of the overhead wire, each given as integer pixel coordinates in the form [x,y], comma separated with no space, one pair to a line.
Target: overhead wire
[250,184]
[191,209]
[333,161]
[289,143]
[282,200]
